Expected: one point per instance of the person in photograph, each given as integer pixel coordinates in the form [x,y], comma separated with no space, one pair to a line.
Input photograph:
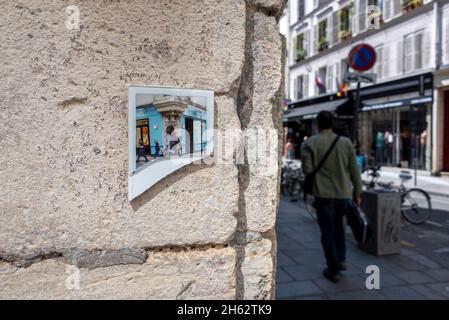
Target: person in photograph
[335,186]
[141,151]
[157,149]
[171,138]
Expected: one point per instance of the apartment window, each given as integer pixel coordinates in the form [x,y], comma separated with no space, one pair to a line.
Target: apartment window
[345,18]
[300,47]
[379,61]
[413,48]
[300,9]
[322,35]
[374,14]
[301,84]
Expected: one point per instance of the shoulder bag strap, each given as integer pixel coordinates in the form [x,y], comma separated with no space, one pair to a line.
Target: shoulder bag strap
[320,164]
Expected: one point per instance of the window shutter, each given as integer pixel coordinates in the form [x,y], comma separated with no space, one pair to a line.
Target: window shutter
[362,14]
[306,43]
[408,54]
[385,62]
[295,88]
[337,75]
[315,40]
[329,78]
[300,87]
[354,17]
[344,68]
[329,28]
[396,7]
[306,86]
[446,44]
[379,58]
[400,58]
[387,10]
[335,28]
[418,51]
[300,9]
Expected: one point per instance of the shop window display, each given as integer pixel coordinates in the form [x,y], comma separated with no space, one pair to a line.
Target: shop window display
[396,137]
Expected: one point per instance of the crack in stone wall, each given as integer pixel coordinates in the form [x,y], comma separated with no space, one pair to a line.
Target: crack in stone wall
[244,109]
[97,258]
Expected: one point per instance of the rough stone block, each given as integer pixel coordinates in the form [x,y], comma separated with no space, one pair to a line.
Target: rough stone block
[208,274]
[65,167]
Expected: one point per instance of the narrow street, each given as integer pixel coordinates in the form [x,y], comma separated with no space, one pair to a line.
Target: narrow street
[421,271]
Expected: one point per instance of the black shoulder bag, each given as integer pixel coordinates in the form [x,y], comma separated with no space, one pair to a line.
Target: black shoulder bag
[310,178]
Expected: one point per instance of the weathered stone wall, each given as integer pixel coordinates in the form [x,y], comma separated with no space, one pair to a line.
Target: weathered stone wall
[206,231]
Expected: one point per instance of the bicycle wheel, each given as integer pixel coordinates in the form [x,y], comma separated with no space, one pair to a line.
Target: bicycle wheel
[290,187]
[416,207]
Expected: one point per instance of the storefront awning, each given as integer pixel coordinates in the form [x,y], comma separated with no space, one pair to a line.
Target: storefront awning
[312,111]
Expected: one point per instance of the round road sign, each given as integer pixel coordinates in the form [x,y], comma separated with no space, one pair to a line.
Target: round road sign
[362,57]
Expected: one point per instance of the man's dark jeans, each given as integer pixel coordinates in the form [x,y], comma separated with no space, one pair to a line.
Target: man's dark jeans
[330,214]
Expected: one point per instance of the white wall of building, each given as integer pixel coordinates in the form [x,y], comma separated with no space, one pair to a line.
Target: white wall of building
[445,35]
[395,57]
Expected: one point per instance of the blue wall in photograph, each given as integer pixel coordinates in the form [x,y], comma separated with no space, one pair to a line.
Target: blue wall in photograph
[156,126]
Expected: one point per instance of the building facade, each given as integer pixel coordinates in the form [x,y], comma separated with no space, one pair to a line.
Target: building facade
[402,116]
[187,117]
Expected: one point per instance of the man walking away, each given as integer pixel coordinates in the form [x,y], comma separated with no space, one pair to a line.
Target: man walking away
[336,184]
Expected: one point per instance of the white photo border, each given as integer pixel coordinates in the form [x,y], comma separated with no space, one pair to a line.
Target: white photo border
[139,182]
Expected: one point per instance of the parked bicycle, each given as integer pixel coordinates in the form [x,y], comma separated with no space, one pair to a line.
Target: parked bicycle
[416,204]
[291,178]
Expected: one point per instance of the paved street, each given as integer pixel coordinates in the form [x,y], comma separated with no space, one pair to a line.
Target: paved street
[421,271]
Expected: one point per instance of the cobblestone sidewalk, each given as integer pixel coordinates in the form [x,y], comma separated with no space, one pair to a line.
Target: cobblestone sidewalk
[421,271]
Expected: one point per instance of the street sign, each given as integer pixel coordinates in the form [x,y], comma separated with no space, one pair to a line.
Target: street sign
[360,77]
[362,57]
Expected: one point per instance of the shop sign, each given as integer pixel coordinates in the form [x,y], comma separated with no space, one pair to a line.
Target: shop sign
[399,103]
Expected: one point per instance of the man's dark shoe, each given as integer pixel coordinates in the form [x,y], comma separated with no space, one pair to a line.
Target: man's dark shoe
[343,266]
[332,277]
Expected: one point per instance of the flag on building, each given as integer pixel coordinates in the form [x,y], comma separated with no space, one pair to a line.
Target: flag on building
[320,84]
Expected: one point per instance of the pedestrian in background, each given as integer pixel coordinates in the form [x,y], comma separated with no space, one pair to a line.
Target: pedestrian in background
[157,148]
[335,186]
[141,151]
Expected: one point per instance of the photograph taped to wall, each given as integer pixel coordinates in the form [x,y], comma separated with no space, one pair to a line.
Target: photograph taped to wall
[169,128]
